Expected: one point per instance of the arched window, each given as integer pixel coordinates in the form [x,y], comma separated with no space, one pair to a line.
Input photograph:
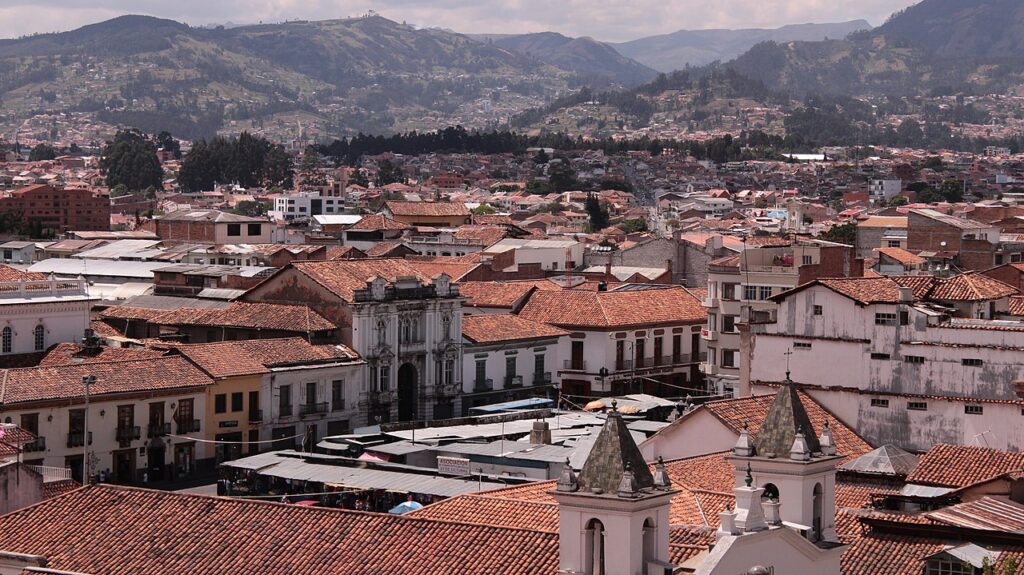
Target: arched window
[771,492]
[40,337]
[650,545]
[816,507]
[8,340]
[594,560]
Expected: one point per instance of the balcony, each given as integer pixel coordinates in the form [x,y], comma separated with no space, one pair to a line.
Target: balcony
[710,302]
[188,426]
[338,404]
[542,378]
[285,410]
[709,368]
[575,365]
[255,415]
[38,445]
[514,381]
[77,439]
[377,397]
[483,385]
[158,429]
[128,434]
[708,334]
[313,408]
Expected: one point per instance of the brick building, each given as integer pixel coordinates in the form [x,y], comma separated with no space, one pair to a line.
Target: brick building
[59,210]
[974,244]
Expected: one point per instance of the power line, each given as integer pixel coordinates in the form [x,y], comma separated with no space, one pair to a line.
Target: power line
[232,442]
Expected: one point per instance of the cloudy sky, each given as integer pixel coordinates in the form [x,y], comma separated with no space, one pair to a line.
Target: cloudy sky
[605,20]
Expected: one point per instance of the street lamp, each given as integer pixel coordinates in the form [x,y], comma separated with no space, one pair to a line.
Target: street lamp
[87,380]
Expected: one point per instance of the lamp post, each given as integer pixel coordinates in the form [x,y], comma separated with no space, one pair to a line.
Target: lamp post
[87,380]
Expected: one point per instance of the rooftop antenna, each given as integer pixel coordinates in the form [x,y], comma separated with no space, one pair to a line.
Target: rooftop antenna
[568,267]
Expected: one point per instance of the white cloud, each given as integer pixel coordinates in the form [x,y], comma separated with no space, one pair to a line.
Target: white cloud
[604,20]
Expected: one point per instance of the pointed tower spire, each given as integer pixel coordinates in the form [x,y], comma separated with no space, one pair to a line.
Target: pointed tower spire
[785,418]
[614,452]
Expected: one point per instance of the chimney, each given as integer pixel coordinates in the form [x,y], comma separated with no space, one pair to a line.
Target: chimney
[602,286]
[540,434]
[608,270]
[906,295]
[668,267]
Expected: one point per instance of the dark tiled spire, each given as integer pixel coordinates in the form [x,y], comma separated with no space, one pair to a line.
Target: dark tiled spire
[786,417]
[613,453]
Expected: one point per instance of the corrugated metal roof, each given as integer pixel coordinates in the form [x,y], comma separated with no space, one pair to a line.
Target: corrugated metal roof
[988,514]
[97,268]
[278,465]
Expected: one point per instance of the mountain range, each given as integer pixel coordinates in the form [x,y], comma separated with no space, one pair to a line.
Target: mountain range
[935,46]
[675,51]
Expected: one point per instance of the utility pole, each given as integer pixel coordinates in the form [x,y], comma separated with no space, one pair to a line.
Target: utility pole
[87,380]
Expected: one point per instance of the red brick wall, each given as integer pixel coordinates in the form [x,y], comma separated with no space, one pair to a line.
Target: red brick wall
[186,231]
[836,262]
[61,210]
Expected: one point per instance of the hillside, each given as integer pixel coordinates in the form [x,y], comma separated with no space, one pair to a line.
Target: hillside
[584,56]
[669,52]
[338,76]
[936,46]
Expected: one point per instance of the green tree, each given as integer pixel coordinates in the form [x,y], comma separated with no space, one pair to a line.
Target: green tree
[130,159]
[311,160]
[277,168]
[844,234]
[1010,565]
[251,209]
[632,226]
[561,175]
[166,142]
[933,163]
[389,173]
[484,210]
[541,157]
[598,213]
[119,190]
[42,152]
[952,191]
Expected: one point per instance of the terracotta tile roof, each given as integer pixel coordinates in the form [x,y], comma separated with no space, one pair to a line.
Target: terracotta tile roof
[343,277]
[388,249]
[69,353]
[902,256]
[752,411]
[9,274]
[961,465]
[494,294]
[13,438]
[129,312]
[921,285]
[971,286]
[490,328]
[1017,305]
[102,329]
[119,531]
[455,266]
[65,381]
[486,235]
[377,222]
[249,315]
[493,220]
[256,356]
[485,510]
[727,262]
[343,253]
[864,290]
[442,209]
[55,488]
[614,309]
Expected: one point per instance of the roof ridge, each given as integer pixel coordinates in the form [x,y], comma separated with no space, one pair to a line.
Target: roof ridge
[92,364]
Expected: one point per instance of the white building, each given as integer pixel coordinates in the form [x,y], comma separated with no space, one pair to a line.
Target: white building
[305,205]
[125,400]
[37,311]
[549,255]
[743,284]
[885,189]
[636,337]
[897,366]
[507,357]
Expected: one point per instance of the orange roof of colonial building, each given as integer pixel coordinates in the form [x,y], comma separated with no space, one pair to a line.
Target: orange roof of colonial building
[492,328]
[255,356]
[121,530]
[961,465]
[494,294]
[902,256]
[65,381]
[70,353]
[434,209]
[248,315]
[614,309]
[344,277]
